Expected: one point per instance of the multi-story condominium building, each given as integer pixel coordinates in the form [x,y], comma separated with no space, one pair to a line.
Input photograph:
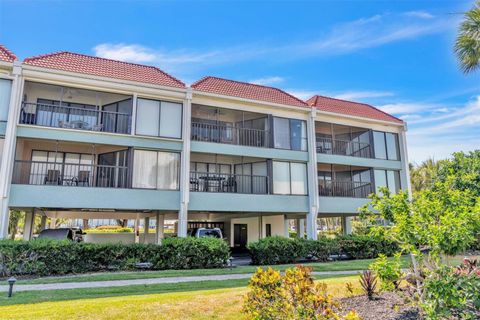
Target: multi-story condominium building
[91,138]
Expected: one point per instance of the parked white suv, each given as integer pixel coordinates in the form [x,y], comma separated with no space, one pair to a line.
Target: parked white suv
[206,233]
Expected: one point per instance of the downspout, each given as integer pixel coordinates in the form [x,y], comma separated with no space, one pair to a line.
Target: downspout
[312,177]
[185,166]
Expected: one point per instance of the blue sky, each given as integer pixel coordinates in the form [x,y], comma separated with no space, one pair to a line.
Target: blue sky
[396,55]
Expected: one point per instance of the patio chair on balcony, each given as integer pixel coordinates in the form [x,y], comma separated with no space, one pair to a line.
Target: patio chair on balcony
[83,178]
[194,184]
[53,177]
[229,185]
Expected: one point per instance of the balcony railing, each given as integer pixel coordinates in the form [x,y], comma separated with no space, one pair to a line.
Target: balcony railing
[67,174]
[343,147]
[351,189]
[228,134]
[60,116]
[228,183]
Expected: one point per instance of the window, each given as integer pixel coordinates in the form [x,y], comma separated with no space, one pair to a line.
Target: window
[289,178]
[5,92]
[386,145]
[290,134]
[282,133]
[392,146]
[281,177]
[116,116]
[299,177]
[156,170]
[379,145]
[387,178]
[159,118]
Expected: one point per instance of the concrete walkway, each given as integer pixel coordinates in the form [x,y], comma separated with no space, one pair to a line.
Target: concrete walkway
[121,283]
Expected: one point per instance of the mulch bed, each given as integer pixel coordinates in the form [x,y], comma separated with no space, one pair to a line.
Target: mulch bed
[385,306]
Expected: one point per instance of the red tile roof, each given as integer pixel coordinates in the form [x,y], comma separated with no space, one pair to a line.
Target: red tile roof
[74,62]
[247,91]
[350,108]
[6,55]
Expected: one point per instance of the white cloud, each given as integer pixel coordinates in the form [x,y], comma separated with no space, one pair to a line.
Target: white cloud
[124,52]
[405,108]
[343,38]
[355,95]
[267,81]
[419,14]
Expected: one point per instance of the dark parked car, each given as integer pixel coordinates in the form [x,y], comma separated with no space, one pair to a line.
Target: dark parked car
[73,234]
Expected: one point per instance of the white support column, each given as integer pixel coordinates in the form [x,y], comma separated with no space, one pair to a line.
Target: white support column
[286,223]
[185,166]
[146,225]
[29,225]
[347,225]
[8,156]
[301,228]
[405,173]
[159,228]
[312,177]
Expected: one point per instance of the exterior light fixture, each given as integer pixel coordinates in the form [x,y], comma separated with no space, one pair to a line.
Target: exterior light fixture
[11,281]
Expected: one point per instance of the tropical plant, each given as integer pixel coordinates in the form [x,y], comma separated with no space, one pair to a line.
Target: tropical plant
[368,281]
[467,44]
[292,296]
[423,175]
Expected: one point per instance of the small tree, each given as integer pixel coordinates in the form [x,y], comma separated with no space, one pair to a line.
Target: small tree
[292,296]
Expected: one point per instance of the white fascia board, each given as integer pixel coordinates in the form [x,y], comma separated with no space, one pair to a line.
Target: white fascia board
[360,119]
[305,109]
[39,74]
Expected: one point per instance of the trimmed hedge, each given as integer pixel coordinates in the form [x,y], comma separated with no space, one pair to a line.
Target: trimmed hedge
[50,257]
[280,250]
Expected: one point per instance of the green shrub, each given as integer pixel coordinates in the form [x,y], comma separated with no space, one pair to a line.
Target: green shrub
[49,257]
[452,293]
[389,271]
[294,295]
[280,250]
[275,250]
[364,247]
[318,249]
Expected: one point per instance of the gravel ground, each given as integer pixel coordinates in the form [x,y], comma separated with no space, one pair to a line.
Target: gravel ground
[386,306]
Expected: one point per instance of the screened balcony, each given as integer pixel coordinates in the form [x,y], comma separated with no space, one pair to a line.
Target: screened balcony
[70,108]
[70,164]
[224,174]
[219,125]
[343,140]
[344,181]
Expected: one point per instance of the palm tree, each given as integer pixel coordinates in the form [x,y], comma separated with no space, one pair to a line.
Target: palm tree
[467,45]
[423,176]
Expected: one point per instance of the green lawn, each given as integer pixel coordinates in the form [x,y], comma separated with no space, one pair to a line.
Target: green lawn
[320,266]
[206,300]
[29,297]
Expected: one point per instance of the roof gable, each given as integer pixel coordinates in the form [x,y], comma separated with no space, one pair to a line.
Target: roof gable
[79,63]
[350,108]
[247,91]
